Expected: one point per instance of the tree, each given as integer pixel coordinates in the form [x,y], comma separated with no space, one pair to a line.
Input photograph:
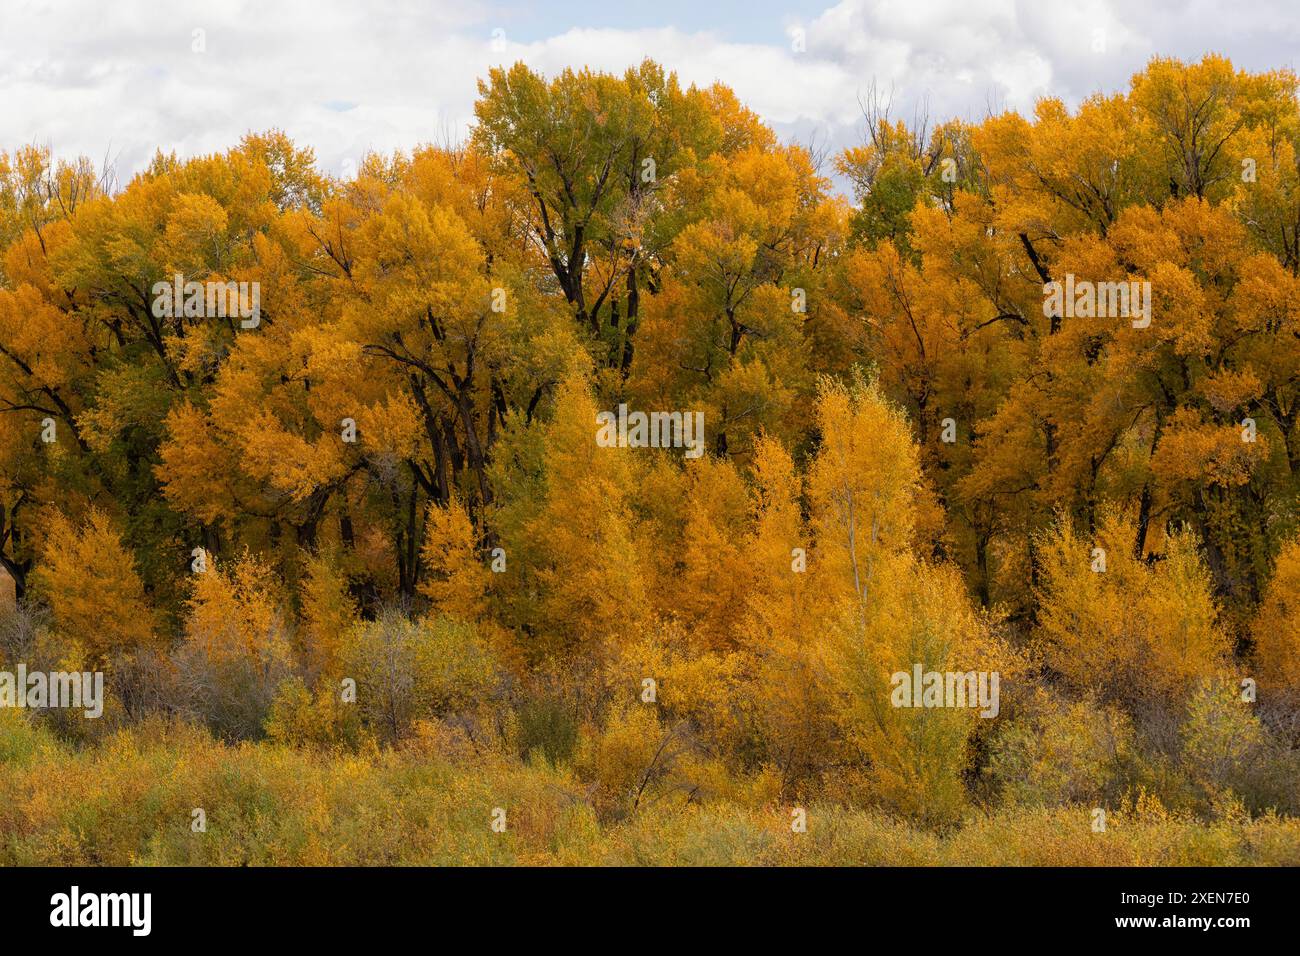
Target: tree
[95,596]
[588,152]
[458,582]
[1138,634]
[237,647]
[1277,639]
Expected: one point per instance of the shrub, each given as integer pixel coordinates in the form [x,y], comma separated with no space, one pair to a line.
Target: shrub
[89,580]
[1229,755]
[547,725]
[405,669]
[237,648]
[1061,752]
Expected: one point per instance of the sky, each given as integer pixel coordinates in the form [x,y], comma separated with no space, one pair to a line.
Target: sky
[116,81]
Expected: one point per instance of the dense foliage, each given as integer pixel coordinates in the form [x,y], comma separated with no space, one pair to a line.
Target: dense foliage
[372,545]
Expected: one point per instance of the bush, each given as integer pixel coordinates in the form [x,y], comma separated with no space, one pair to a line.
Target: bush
[236,650]
[636,761]
[1229,756]
[1061,752]
[131,799]
[299,717]
[406,669]
[547,725]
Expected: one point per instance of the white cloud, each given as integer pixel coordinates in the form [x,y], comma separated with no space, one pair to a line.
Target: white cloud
[123,79]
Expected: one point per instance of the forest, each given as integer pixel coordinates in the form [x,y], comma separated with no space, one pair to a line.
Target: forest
[591,490]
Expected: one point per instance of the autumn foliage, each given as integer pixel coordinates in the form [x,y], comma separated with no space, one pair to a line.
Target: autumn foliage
[375,532]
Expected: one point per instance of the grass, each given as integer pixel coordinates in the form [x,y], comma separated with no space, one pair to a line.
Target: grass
[130,800]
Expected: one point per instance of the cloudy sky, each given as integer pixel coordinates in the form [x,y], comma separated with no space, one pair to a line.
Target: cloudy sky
[120,79]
